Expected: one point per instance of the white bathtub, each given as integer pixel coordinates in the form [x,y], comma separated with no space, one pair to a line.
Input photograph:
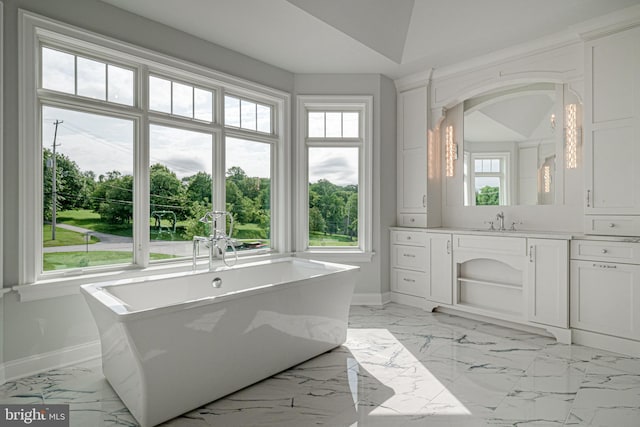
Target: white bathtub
[172,343]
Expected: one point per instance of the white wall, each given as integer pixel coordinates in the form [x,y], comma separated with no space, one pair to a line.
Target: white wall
[374,276]
[47,325]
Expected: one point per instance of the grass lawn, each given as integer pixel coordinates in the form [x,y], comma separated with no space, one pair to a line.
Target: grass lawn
[64,260]
[64,237]
[88,219]
[320,239]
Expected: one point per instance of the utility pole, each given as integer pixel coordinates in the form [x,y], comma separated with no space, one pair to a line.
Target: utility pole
[54,196]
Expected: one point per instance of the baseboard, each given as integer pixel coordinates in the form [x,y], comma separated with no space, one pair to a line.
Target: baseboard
[607,342]
[409,300]
[31,365]
[377,300]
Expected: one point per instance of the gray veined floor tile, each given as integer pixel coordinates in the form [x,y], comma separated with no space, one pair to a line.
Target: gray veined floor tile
[400,367]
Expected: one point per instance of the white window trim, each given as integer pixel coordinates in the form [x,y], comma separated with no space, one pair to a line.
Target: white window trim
[363,103]
[34,29]
[504,175]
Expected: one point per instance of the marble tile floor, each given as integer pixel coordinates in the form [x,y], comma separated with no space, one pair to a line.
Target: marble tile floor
[400,366]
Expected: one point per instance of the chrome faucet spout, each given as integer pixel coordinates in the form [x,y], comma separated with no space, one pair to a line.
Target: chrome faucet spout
[500,218]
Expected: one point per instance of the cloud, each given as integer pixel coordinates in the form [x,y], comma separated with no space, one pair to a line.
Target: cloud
[338,165]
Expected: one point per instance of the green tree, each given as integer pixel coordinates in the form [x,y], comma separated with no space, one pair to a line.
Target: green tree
[69,183]
[316,221]
[199,187]
[114,197]
[167,192]
[488,196]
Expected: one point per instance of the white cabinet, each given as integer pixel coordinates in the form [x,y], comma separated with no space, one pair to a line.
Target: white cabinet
[409,262]
[548,282]
[605,288]
[421,265]
[612,133]
[439,274]
[413,153]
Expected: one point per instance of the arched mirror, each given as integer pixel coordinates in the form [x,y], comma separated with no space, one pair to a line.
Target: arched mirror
[513,150]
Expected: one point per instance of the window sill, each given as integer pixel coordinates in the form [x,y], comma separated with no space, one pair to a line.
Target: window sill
[70,285]
[340,256]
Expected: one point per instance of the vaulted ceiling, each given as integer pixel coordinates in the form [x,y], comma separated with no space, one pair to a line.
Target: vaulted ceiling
[391,37]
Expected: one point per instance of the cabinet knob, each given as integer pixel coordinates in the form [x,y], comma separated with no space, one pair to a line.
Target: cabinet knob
[412,220]
[408,237]
[611,225]
[604,251]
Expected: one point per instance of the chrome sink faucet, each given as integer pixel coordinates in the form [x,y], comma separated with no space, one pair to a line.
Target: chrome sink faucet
[500,218]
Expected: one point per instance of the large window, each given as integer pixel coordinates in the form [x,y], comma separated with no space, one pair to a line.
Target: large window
[130,151]
[335,160]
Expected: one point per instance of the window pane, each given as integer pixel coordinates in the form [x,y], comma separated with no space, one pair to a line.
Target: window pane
[180,189]
[120,85]
[333,125]
[350,125]
[93,191]
[333,196]
[316,124]
[159,95]
[203,105]
[487,191]
[248,112]
[495,165]
[92,81]
[182,100]
[477,165]
[248,191]
[232,111]
[58,71]
[264,118]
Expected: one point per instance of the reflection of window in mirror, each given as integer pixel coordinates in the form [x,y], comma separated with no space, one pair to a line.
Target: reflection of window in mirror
[488,178]
[521,127]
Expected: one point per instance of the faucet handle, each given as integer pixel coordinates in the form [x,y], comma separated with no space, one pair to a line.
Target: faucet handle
[490,225]
[513,225]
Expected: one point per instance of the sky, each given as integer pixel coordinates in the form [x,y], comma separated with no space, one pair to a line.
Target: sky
[103,144]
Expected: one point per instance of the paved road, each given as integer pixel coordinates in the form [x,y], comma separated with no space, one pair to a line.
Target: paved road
[111,242]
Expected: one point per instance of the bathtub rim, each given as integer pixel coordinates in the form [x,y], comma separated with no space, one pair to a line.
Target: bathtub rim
[118,310]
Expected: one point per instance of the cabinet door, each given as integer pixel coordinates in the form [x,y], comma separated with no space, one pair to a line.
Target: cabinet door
[439,275]
[605,298]
[612,124]
[547,282]
[412,150]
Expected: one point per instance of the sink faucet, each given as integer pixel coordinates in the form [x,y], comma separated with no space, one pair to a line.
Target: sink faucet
[214,240]
[500,218]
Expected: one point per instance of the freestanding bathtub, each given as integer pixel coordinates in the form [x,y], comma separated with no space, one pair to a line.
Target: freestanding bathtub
[174,342]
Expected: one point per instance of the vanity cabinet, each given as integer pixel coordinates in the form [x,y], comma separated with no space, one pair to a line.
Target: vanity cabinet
[419,185]
[548,281]
[439,275]
[605,287]
[612,134]
[409,259]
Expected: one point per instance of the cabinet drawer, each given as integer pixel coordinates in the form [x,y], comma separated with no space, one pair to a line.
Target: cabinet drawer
[410,257]
[612,225]
[606,251]
[505,245]
[415,238]
[412,220]
[409,282]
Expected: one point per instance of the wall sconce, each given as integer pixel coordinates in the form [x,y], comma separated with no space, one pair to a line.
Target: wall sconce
[571,136]
[451,151]
[547,179]
[552,121]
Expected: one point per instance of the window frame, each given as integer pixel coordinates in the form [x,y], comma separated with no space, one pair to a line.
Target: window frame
[503,175]
[334,103]
[36,31]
